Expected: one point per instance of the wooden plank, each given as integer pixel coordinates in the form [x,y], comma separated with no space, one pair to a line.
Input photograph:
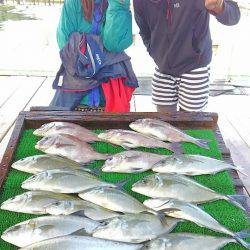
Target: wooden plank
[182,120]
[239,149]
[44,95]
[12,145]
[8,86]
[17,102]
[4,142]
[241,123]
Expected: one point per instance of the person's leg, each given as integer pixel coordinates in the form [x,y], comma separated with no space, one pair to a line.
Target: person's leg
[194,90]
[164,92]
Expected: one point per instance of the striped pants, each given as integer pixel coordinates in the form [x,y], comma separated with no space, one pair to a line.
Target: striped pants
[190,91]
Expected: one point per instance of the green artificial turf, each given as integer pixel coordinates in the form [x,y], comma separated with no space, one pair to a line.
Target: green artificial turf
[227,214]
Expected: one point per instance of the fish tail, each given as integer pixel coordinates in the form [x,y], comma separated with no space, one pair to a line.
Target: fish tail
[175,147]
[202,143]
[242,242]
[238,200]
[245,233]
[240,170]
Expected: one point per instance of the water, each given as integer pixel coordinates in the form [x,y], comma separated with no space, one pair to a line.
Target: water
[11,13]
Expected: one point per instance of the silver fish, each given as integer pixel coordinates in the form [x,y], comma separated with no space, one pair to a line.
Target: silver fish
[48,227]
[81,208]
[130,139]
[134,228]
[173,186]
[192,165]
[69,147]
[65,181]
[113,199]
[81,243]
[39,163]
[131,162]
[187,211]
[165,132]
[34,202]
[187,241]
[54,128]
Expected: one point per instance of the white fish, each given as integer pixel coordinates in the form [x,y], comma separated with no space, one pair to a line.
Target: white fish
[39,163]
[47,227]
[191,165]
[188,241]
[34,202]
[63,181]
[81,243]
[54,128]
[187,211]
[134,228]
[165,132]
[131,162]
[129,139]
[180,187]
[70,147]
[113,199]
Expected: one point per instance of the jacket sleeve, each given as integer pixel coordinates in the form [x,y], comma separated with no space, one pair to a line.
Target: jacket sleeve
[230,15]
[142,23]
[117,30]
[67,23]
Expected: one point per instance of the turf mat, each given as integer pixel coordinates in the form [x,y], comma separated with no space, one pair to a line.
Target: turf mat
[227,214]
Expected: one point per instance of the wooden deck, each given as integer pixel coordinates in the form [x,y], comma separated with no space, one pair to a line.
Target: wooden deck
[20,93]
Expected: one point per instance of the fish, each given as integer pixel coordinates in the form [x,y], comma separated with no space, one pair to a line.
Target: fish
[113,199]
[134,228]
[192,165]
[70,147]
[67,181]
[55,128]
[189,241]
[131,162]
[187,211]
[81,243]
[39,163]
[80,207]
[47,227]
[34,202]
[130,139]
[42,203]
[165,132]
[180,187]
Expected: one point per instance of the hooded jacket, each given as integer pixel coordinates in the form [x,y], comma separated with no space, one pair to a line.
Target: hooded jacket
[116,28]
[176,32]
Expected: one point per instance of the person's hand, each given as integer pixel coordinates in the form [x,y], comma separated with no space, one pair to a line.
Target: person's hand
[215,6]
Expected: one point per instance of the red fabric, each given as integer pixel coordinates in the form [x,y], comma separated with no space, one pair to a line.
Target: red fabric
[117,95]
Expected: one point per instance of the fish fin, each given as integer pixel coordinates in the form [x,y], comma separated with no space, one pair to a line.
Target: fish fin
[121,184]
[137,169]
[176,147]
[241,170]
[95,171]
[79,213]
[169,210]
[202,143]
[245,233]
[238,200]
[46,228]
[237,183]
[80,232]
[60,145]
[243,243]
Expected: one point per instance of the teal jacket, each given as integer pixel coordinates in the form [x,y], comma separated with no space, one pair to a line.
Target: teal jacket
[116,30]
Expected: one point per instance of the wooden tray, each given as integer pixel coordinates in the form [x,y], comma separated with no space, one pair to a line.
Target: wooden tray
[183,120]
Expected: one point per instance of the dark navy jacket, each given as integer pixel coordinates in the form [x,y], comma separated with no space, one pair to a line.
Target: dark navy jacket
[176,32]
[84,71]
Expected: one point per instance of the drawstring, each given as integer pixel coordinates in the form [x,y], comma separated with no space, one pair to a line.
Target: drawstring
[169,13]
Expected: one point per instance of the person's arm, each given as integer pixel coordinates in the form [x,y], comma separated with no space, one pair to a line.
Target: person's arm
[142,23]
[226,12]
[68,22]
[117,30]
